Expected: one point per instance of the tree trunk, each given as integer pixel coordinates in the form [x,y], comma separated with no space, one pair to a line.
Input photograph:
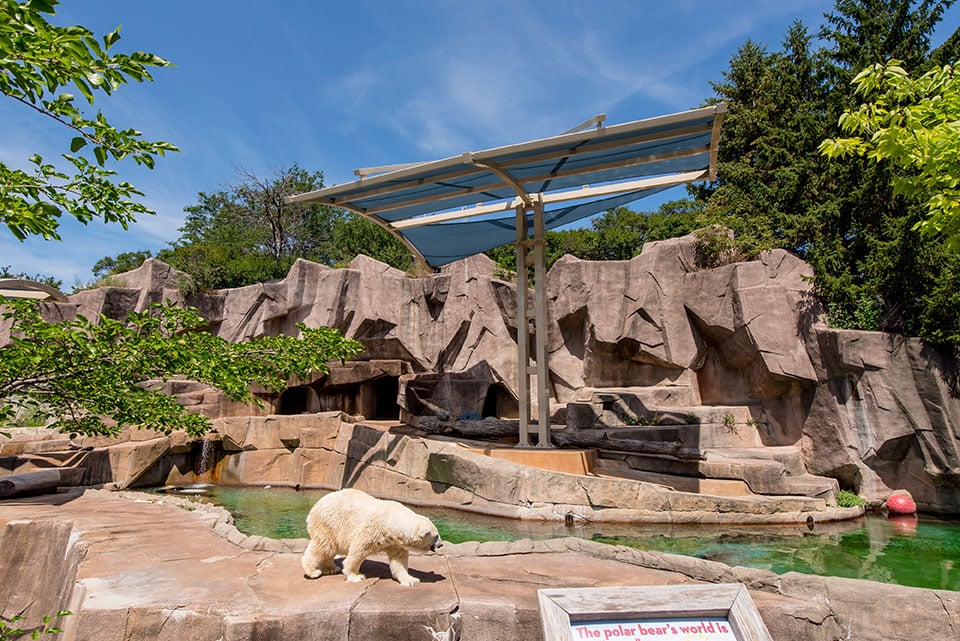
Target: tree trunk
[30,483]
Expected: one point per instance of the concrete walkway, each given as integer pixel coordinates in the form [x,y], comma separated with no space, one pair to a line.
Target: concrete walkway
[161,568]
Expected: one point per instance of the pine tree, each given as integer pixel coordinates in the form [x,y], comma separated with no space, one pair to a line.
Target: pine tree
[775,189]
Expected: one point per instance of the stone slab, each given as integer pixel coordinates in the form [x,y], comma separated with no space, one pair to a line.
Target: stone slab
[568,461]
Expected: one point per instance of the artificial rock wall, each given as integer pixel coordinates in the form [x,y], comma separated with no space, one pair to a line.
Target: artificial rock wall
[875,411]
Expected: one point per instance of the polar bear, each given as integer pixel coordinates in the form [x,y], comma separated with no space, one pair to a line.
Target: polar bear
[353,523]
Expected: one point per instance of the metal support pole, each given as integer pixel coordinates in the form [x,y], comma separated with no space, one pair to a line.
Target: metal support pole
[539,317]
[540,325]
[523,339]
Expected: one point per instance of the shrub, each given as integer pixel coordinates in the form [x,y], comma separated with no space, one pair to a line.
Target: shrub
[9,631]
[845,498]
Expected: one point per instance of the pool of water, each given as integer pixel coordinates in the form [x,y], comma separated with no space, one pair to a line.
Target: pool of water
[914,551]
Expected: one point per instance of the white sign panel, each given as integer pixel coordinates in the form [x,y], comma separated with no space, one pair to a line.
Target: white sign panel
[698,612]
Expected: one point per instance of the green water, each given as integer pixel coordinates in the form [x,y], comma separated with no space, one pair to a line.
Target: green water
[924,552]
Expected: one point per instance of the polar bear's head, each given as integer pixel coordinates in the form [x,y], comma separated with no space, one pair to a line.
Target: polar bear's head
[426,536]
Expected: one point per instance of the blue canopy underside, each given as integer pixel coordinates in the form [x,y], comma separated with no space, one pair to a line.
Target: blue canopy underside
[591,171]
[477,187]
[448,242]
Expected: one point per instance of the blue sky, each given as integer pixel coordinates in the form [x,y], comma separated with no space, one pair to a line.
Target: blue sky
[334,86]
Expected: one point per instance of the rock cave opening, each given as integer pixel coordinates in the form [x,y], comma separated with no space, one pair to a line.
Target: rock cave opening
[499,403]
[295,400]
[374,399]
[385,391]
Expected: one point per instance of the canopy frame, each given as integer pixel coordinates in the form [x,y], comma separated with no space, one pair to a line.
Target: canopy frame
[621,162]
[31,289]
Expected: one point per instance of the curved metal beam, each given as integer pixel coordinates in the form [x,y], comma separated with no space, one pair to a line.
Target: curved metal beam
[32,287]
[418,257]
[507,178]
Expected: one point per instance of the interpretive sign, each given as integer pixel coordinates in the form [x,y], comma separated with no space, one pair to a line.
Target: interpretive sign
[720,612]
[708,629]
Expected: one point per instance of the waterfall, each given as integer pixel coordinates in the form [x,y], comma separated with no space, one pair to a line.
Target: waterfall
[206,454]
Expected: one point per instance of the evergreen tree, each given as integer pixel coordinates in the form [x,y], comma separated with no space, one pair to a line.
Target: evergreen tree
[770,173]
[776,190]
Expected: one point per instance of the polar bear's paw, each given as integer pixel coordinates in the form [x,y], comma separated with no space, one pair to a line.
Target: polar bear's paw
[408,581]
[321,571]
[355,578]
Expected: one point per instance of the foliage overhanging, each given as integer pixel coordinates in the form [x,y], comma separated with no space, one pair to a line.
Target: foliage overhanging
[77,372]
[40,66]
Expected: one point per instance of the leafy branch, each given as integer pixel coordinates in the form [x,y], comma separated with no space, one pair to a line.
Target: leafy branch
[38,62]
[78,372]
[9,629]
[914,126]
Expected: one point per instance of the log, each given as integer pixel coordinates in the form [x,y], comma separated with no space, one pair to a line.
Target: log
[30,483]
[593,439]
[601,441]
[487,428]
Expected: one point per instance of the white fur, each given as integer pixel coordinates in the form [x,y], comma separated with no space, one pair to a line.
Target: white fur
[353,523]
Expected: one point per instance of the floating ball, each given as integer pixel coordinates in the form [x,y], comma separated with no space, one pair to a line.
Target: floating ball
[899,504]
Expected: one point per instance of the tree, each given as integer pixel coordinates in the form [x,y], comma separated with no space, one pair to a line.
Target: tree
[5,272]
[617,234]
[912,125]
[39,62]
[77,372]
[622,232]
[354,235]
[775,188]
[866,31]
[771,179]
[122,262]
[289,229]
[248,233]
[868,258]
[218,250]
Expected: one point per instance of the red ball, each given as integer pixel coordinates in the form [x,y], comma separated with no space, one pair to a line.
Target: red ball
[898,504]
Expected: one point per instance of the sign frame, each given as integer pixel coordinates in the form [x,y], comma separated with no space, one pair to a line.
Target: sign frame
[561,608]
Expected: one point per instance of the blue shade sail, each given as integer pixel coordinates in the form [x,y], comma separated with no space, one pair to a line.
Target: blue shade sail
[449,209]
[448,242]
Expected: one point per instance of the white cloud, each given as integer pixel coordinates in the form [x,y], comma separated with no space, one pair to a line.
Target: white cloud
[353,88]
[431,130]
[46,258]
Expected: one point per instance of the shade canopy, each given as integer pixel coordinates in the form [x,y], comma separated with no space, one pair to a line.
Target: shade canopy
[449,209]
[23,288]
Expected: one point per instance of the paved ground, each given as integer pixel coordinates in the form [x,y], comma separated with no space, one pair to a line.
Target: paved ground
[150,567]
[160,570]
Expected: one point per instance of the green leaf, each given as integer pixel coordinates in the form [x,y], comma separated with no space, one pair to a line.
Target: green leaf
[111,38]
[84,88]
[43,6]
[78,143]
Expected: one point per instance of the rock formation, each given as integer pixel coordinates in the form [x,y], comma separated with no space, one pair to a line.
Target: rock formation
[650,339]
